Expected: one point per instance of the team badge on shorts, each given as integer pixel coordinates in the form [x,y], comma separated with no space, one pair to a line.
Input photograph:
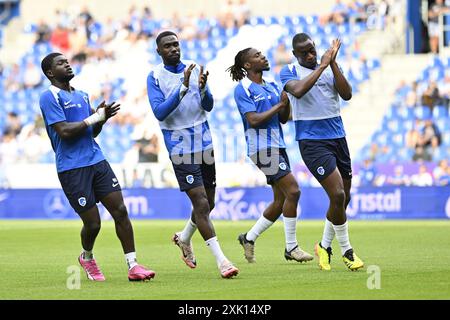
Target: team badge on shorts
[82,201]
[190,179]
[282,166]
[321,170]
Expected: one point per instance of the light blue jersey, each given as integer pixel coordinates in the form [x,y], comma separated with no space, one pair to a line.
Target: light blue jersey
[253,97]
[59,105]
[181,113]
[317,113]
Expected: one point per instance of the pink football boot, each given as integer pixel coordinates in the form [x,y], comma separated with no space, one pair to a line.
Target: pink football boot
[140,273]
[90,267]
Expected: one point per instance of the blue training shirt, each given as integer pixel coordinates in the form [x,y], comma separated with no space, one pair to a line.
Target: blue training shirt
[317,113]
[57,106]
[254,97]
[181,115]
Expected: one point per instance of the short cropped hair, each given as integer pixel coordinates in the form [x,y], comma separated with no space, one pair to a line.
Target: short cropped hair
[300,38]
[164,34]
[46,63]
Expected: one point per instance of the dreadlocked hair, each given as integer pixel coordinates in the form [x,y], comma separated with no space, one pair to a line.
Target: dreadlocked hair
[237,71]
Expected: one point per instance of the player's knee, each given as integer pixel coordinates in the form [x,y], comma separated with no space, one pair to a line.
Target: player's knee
[293,194]
[201,206]
[338,197]
[278,205]
[93,226]
[120,213]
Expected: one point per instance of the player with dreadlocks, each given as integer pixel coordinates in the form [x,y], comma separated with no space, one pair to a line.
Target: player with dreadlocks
[263,106]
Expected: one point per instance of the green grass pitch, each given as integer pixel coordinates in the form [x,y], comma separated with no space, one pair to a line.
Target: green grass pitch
[412,256]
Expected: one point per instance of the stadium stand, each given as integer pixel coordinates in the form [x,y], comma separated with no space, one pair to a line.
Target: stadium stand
[417,125]
[106,56]
[90,42]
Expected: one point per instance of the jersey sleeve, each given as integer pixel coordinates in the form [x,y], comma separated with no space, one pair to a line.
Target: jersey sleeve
[287,75]
[161,106]
[243,101]
[51,109]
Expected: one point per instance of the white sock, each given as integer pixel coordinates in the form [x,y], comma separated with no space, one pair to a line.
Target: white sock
[328,234]
[188,231]
[259,227]
[213,245]
[130,259]
[290,225]
[88,255]
[342,236]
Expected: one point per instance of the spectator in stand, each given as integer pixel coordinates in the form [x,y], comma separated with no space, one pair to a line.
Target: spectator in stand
[431,96]
[281,57]
[60,39]
[413,135]
[399,178]
[421,154]
[226,17]
[367,173]
[13,124]
[356,12]
[436,9]
[136,181]
[32,77]
[431,136]
[242,13]
[339,14]
[43,32]
[203,26]
[149,149]
[423,178]
[9,148]
[444,179]
[13,81]
[441,170]
[87,19]
[412,97]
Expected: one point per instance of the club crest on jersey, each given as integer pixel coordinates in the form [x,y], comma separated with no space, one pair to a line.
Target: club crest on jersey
[190,179]
[82,201]
[282,166]
[321,170]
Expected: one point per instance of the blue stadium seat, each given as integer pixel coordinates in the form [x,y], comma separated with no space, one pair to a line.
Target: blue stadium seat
[443,124]
[422,112]
[446,139]
[312,19]
[440,112]
[373,64]
[256,21]
[404,154]
[439,154]
[393,126]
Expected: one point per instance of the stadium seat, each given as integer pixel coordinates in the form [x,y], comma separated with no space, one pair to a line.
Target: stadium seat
[422,112]
[443,124]
[440,112]
[446,139]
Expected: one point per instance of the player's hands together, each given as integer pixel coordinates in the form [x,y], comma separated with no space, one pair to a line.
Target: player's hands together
[187,75]
[326,58]
[335,46]
[284,99]
[202,78]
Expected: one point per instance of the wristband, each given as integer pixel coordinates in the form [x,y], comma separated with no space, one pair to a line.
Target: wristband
[96,117]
